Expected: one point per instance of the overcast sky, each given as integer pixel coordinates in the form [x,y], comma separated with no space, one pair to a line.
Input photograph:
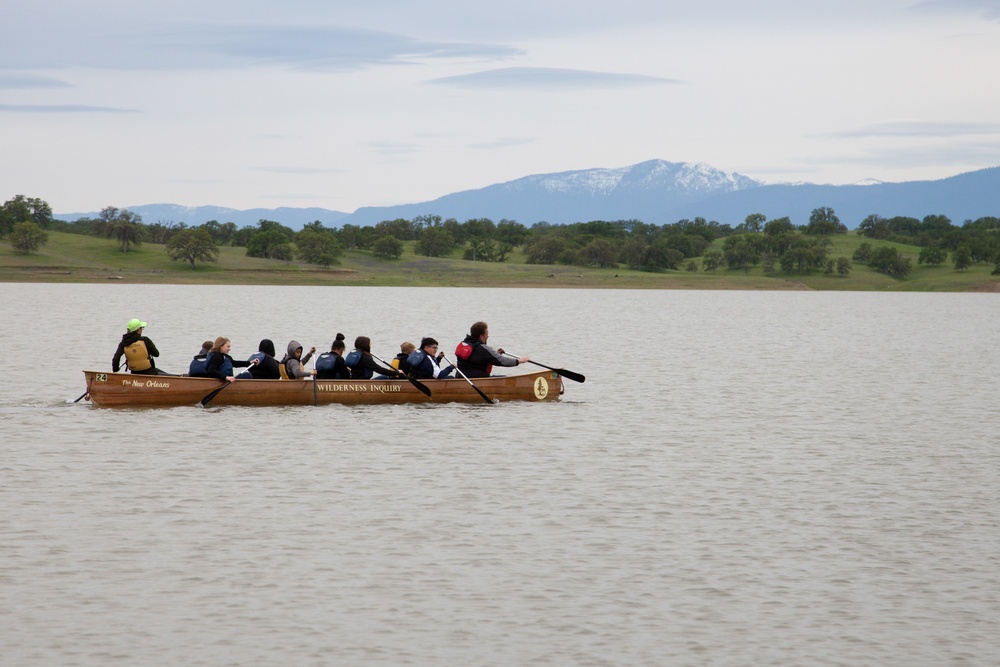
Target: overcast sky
[347,104]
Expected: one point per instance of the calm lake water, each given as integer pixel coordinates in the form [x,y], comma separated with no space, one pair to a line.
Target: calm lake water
[782,478]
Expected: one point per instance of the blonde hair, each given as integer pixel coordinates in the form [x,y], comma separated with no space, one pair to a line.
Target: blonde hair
[219,342]
[407,347]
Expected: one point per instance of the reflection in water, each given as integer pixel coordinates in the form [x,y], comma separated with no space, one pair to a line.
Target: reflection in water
[785,478]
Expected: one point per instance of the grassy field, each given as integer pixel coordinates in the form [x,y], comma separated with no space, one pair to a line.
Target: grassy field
[76,258]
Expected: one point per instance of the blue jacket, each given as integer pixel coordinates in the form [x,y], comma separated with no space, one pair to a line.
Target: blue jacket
[422,367]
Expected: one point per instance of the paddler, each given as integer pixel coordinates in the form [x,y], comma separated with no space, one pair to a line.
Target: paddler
[138,351]
[476,359]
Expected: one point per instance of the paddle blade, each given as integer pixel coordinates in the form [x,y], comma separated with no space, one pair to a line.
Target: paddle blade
[419,385]
[486,398]
[575,377]
[212,394]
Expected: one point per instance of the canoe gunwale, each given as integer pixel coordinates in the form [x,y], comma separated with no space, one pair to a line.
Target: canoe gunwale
[126,390]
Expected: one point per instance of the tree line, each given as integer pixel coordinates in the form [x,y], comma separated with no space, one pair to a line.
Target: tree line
[775,244]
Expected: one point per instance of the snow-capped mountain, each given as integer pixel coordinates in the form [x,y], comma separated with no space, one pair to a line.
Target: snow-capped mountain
[654,175]
[642,191]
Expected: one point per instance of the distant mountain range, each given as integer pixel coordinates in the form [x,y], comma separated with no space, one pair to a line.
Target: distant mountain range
[655,191]
[197,215]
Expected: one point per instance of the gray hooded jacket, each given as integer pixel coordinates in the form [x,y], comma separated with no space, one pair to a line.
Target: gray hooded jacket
[293,366]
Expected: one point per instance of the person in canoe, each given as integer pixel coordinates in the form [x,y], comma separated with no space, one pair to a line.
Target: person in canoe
[200,360]
[266,367]
[363,365]
[401,361]
[476,359]
[330,365]
[294,361]
[138,351]
[220,365]
[425,363]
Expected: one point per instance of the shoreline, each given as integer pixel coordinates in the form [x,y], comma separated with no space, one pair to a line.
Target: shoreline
[69,258]
[571,279]
[555,280]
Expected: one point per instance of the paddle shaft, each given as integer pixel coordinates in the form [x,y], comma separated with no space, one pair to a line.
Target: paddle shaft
[419,385]
[212,394]
[315,391]
[84,395]
[478,390]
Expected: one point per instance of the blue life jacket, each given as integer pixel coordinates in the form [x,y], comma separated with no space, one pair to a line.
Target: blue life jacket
[353,358]
[245,374]
[198,366]
[225,368]
[422,366]
[326,362]
[416,358]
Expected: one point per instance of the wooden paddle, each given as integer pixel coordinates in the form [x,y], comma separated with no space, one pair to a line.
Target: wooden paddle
[419,385]
[486,398]
[576,377]
[212,394]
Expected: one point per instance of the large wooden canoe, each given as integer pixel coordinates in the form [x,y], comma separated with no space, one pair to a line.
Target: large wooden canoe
[125,390]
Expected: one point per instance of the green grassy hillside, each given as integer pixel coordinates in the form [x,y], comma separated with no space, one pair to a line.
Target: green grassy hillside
[76,258]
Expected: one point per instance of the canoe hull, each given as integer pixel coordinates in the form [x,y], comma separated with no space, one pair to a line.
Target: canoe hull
[125,390]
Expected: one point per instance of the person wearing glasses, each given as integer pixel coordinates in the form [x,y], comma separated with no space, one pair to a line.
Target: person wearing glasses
[425,363]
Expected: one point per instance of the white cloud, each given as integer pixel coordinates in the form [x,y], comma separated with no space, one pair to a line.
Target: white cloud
[915,128]
[394,147]
[988,9]
[954,157]
[297,170]
[203,45]
[25,81]
[503,142]
[61,109]
[548,79]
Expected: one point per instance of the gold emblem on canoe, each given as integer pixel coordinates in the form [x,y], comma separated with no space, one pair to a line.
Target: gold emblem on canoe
[541,388]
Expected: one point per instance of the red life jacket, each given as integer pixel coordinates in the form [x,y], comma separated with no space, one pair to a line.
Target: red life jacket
[464,350]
